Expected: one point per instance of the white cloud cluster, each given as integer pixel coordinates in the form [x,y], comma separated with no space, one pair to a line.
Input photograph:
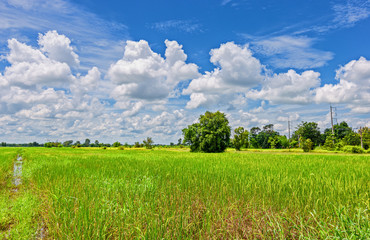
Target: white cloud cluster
[237,71]
[57,47]
[143,75]
[288,88]
[39,84]
[353,87]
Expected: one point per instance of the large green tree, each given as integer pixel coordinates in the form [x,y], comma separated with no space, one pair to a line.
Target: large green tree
[308,130]
[211,134]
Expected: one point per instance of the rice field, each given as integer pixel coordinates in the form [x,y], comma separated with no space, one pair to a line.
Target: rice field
[92,193]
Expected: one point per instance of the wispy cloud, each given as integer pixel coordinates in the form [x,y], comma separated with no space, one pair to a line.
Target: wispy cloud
[96,36]
[224,2]
[288,51]
[178,25]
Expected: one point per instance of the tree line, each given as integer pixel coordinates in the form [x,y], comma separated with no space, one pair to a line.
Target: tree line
[213,134]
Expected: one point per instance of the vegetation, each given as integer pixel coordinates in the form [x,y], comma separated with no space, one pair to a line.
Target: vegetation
[211,134]
[90,193]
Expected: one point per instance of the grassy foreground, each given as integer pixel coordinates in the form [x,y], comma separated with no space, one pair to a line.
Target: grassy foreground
[124,194]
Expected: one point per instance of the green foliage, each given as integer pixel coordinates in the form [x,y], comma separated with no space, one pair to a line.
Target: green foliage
[138,145]
[329,143]
[353,149]
[293,144]
[86,143]
[240,138]
[352,138]
[366,137]
[116,144]
[67,143]
[307,145]
[148,143]
[211,134]
[308,130]
[264,138]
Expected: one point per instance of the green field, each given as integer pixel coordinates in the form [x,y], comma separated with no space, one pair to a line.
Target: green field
[174,194]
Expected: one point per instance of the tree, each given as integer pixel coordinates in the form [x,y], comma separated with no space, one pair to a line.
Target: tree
[240,138]
[329,142]
[211,134]
[365,132]
[87,142]
[68,143]
[307,145]
[148,143]
[352,138]
[96,143]
[116,144]
[308,130]
[264,136]
[253,137]
[179,142]
[3,144]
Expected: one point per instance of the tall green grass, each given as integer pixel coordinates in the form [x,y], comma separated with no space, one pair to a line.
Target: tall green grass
[19,216]
[99,194]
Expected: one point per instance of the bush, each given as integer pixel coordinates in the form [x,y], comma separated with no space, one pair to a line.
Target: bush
[121,148]
[307,145]
[353,149]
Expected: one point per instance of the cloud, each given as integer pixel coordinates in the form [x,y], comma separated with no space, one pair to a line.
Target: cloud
[237,71]
[57,47]
[30,67]
[144,75]
[288,88]
[97,38]
[353,87]
[352,11]
[291,52]
[179,25]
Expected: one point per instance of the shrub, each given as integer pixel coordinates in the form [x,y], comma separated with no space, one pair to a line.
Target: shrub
[307,145]
[353,149]
[121,148]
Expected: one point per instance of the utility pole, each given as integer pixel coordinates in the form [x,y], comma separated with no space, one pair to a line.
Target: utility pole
[289,129]
[332,125]
[360,131]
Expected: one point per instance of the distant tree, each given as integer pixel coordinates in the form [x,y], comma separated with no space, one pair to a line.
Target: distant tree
[67,143]
[179,142]
[96,143]
[87,142]
[264,136]
[148,143]
[253,137]
[3,144]
[352,138]
[116,144]
[211,134]
[172,144]
[137,145]
[366,137]
[240,138]
[308,130]
[78,144]
[329,142]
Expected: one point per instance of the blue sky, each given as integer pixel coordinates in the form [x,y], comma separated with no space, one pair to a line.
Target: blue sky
[124,70]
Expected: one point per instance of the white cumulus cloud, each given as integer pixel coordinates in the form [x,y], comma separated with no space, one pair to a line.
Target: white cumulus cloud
[288,88]
[237,71]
